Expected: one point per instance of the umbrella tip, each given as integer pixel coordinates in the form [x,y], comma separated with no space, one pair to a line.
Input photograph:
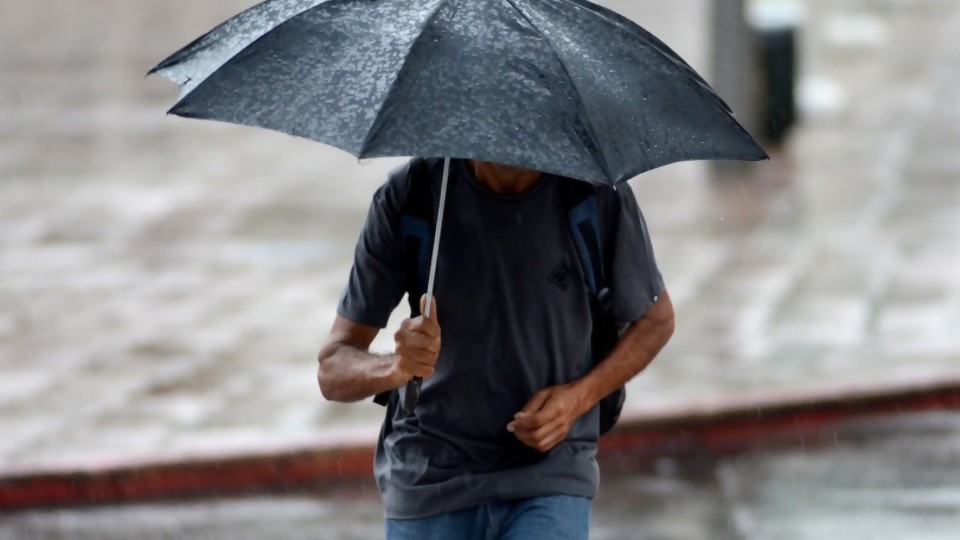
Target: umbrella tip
[155,70]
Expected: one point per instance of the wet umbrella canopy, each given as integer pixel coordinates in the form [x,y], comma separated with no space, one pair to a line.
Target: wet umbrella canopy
[561,86]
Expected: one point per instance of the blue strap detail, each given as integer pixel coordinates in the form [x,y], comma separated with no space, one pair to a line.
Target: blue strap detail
[418,230]
[587,213]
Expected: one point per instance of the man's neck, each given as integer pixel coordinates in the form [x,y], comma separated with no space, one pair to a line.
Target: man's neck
[503,178]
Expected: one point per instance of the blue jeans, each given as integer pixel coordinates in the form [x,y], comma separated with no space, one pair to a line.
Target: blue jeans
[557,517]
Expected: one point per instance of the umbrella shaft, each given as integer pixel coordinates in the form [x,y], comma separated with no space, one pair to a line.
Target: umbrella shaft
[436,239]
[413,386]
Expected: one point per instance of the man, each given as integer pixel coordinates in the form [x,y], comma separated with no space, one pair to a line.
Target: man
[503,441]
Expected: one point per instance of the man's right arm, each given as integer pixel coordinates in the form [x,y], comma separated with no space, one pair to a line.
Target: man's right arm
[348,372]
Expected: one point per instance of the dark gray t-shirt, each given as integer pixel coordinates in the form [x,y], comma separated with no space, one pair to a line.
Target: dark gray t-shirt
[515,317]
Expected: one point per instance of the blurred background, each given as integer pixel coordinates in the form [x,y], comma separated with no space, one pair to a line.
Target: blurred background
[165,284]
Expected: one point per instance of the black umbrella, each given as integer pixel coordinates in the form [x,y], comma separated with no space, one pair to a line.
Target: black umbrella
[561,86]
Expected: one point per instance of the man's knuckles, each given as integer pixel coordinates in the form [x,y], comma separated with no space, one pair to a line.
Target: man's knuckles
[415,327]
[408,337]
[414,366]
[425,326]
[530,424]
[417,355]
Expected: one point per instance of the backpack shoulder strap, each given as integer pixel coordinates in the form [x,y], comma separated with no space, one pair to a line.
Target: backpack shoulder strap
[417,228]
[416,231]
[581,202]
[582,210]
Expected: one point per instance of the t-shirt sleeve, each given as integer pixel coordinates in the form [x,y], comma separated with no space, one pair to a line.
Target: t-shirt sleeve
[636,282]
[377,279]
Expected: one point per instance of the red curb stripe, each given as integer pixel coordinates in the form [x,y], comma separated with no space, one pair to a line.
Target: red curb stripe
[635,442]
[231,477]
[775,425]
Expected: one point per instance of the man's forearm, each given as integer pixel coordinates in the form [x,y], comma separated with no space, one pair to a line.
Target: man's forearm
[637,347]
[547,417]
[348,374]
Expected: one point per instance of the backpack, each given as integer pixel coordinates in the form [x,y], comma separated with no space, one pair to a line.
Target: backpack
[581,207]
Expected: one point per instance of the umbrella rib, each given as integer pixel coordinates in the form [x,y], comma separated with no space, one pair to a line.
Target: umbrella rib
[597,156]
[655,44]
[216,37]
[376,126]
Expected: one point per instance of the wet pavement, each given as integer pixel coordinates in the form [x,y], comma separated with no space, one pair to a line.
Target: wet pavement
[889,479]
[165,283]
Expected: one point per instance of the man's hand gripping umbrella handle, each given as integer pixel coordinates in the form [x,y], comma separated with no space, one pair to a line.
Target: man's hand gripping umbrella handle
[412,394]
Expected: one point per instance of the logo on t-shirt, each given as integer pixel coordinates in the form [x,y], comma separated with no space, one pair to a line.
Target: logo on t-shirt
[561,275]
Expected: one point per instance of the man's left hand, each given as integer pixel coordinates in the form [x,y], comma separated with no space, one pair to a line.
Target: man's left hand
[544,421]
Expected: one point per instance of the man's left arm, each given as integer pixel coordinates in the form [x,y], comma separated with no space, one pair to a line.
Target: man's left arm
[548,416]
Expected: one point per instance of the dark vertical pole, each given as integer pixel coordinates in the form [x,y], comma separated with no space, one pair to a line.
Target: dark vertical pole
[734,59]
[734,66]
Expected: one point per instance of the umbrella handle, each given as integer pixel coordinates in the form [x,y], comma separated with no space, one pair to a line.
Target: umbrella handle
[412,395]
